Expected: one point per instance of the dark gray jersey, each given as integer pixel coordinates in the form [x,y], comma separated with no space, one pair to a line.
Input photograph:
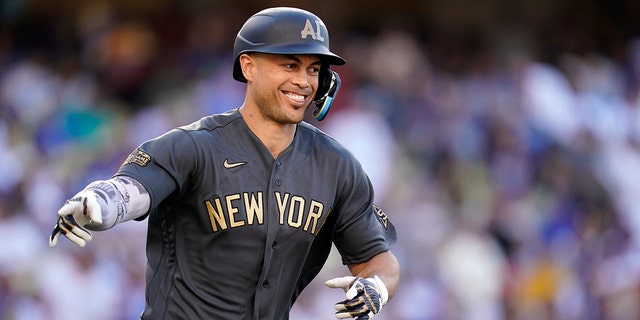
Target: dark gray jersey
[236,234]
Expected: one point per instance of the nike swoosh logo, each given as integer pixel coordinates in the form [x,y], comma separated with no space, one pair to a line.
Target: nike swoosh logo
[230,165]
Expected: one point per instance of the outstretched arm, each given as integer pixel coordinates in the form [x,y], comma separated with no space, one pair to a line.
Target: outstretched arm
[100,206]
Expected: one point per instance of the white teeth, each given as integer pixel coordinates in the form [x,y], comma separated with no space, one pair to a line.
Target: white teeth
[295,96]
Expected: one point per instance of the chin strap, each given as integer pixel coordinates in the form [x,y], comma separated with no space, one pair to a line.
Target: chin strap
[324,103]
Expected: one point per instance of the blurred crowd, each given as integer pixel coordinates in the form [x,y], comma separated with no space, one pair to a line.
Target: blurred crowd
[511,171]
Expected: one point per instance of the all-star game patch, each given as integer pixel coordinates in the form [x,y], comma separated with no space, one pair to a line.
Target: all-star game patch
[382,217]
[138,157]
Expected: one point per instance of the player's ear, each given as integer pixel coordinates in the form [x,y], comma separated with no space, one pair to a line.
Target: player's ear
[247,65]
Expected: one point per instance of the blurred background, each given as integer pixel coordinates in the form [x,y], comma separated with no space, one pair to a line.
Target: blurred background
[503,139]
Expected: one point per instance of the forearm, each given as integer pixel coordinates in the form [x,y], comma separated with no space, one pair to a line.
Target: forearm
[121,199]
[385,266]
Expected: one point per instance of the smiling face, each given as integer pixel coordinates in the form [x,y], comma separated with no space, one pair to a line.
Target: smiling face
[280,87]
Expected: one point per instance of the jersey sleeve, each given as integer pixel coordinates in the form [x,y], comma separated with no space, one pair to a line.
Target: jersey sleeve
[162,165]
[362,229]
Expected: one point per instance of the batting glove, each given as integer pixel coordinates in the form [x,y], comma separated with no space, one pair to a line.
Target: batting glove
[365,297]
[77,212]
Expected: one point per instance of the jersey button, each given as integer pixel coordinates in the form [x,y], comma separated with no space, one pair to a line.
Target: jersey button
[273,245]
[278,163]
[265,284]
[278,182]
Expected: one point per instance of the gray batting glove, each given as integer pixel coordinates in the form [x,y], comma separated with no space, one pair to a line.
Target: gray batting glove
[77,212]
[365,297]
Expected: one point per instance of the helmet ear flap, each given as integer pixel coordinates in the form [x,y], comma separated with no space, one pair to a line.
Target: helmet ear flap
[328,85]
[324,81]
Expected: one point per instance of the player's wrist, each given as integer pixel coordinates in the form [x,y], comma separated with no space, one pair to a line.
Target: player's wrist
[382,289]
[111,200]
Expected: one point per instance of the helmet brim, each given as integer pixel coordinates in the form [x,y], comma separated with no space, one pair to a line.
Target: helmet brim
[326,56]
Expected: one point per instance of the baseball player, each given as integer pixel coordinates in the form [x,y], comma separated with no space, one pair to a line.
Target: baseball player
[243,206]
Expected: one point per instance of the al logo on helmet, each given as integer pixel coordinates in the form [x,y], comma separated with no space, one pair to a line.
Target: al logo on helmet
[308,31]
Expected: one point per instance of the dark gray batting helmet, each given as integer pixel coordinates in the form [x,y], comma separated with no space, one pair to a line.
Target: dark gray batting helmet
[283,30]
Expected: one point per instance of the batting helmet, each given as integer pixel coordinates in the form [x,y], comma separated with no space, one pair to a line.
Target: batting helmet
[285,30]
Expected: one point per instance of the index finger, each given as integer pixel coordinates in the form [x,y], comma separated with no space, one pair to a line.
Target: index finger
[70,207]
